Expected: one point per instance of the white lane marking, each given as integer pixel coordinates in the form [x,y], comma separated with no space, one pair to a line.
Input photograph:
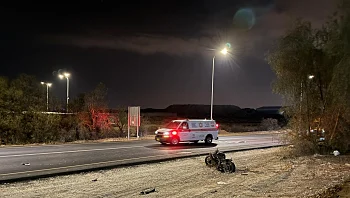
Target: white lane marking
[86,150]
[72,151]
[185,152]
[80,165]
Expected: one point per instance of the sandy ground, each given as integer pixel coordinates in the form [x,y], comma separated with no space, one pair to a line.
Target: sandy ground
[260,173]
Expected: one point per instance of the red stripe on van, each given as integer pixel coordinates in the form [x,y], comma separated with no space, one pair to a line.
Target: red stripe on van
[198,130]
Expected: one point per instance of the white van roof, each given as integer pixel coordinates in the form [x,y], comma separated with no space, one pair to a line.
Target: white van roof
[195,120]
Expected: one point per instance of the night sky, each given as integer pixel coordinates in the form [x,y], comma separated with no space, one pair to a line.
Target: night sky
[153,53]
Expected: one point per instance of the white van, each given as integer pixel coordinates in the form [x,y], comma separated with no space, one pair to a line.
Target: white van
[188,131]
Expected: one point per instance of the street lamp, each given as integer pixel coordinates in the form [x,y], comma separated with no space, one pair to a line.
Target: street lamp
[47,94]
[224,52]
[66,75]
[310,77]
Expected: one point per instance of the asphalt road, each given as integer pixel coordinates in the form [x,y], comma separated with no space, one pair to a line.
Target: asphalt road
[36,161]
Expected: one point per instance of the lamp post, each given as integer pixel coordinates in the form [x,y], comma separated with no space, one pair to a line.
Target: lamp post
[224,52]
[47,94]
[310,77]
[66,75]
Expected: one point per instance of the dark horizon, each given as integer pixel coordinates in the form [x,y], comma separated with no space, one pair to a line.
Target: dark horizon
[153,53]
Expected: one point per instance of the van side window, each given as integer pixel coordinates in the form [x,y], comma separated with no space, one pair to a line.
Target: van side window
[184,125]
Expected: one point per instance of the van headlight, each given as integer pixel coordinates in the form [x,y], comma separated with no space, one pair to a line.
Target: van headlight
[166,134]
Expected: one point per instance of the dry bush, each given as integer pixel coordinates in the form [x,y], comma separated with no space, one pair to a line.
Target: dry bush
[239,128]
[269,124]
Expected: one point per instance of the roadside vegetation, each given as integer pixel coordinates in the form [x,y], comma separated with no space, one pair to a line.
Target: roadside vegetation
[24,120]
[312,66]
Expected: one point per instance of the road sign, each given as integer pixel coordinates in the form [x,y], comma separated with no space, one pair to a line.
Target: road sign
[134,119]
[134,116]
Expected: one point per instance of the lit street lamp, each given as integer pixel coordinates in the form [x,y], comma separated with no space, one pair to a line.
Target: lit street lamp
[66,75]
[224,52]
[310,77]
[47,94]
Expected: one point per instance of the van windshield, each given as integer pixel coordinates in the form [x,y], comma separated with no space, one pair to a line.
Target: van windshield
[172,125]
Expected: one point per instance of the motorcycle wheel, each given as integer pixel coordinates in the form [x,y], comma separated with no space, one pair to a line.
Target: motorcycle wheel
[209,161]
[225,168]
[232,166]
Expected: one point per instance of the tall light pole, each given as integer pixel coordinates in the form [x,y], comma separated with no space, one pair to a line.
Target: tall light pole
[310,77]
[47,94]
[224,52]
[66,75]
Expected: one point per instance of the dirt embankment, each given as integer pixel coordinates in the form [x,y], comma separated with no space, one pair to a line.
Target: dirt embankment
[261,173]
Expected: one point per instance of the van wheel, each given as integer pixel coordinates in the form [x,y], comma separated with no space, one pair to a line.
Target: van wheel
[208,139]
[175,141]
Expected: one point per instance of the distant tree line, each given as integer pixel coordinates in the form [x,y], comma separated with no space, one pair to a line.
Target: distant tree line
[313,76]
[23,118]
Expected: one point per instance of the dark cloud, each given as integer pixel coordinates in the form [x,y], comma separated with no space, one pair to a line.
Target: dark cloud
[143,44]
[271,21]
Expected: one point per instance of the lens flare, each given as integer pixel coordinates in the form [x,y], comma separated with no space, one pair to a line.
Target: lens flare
[244,19]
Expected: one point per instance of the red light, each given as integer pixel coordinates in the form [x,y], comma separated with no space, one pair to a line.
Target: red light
[217,125]
[174,132]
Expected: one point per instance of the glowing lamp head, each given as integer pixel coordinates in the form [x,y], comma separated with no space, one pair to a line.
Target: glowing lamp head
[49,84]
[224,51]
[42,83]
[64,75]
[311,77]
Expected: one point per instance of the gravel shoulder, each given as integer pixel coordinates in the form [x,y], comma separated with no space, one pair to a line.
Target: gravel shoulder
[260,173]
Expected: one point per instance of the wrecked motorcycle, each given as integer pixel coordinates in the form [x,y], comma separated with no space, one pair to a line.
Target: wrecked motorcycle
[218,159]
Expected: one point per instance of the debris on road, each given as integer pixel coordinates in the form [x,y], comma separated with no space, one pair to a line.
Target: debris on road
[336,153]
[148,191]
[94,180]
[221,183]
[26,164]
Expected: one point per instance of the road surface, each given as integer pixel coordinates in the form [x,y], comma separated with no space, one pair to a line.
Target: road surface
[37,161]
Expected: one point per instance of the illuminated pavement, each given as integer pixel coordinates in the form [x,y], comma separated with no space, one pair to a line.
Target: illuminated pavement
[68,158]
